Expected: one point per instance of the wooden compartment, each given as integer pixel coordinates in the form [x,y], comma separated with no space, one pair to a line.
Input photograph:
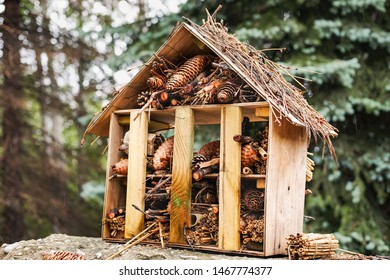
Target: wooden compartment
[283,184]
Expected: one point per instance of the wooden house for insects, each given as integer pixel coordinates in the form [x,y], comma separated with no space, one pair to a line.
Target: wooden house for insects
[240,193]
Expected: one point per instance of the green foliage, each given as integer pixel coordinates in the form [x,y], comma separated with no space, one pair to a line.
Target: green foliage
[347,7]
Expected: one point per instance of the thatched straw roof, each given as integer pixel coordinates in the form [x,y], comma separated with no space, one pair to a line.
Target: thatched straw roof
[263,75]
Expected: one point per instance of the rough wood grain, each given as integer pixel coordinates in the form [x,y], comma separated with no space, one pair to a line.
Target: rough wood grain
[136,174]
[230,179]
[180,216]
[114,193]
[285,181]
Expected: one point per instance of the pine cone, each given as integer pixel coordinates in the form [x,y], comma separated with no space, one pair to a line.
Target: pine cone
[157,141]
[196,160]
[226,93]
[249,155]
[155,83]
[188,71]
[163,155]
[121,167]
[253,199]
[210,150]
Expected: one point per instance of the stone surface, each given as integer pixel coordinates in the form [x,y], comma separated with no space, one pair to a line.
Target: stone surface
[97,249]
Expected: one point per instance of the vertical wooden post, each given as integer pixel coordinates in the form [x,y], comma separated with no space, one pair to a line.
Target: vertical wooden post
[230,179]
[285,184]
[180,216]
[136,175]
[112,192]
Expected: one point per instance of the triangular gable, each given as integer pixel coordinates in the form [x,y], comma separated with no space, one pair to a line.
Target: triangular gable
[180,44]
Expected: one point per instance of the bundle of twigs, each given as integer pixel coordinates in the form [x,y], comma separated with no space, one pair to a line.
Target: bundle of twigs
[261,167]
[308,246]
[116,224]
[309,168]
[253,231]
[205,231]
[266,77]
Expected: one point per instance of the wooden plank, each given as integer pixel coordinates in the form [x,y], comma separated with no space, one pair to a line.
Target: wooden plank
[230,179]
[260,183]
[180,216]
[136,174]
[153,125]
[113,195]
[203,114]
[284,195]
[262,112]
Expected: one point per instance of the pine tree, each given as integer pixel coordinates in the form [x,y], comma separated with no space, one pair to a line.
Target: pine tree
[44,112]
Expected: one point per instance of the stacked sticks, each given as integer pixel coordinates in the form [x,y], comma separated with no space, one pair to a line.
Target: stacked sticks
[309,246]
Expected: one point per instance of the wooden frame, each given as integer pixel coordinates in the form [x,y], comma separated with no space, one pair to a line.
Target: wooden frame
[283,184]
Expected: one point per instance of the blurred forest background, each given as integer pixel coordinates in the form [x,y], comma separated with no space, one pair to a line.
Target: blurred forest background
[61,60]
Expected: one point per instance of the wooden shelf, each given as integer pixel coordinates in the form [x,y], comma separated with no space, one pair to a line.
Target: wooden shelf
[207,176]
[203,114]
[158,175]
[253,176]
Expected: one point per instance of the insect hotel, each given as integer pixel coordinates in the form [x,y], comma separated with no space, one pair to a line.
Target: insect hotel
[242,193]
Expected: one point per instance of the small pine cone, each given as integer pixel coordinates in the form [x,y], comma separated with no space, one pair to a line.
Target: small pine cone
[210,150]
[253,199]
[63,255]
[248,155]
[155,83]
[157,141]
[196,160]
[121,167]
[226,93]
[163,155]
[188,71]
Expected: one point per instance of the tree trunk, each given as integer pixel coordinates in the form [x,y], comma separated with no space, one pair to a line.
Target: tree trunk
[13,125]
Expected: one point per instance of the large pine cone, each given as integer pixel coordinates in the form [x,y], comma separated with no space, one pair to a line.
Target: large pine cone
[121,167]
[249,155]
[163,155]
[253,199]
[188,71]
[210,150]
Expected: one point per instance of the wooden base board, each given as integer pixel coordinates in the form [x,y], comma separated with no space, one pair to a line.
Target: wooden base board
[209,249]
